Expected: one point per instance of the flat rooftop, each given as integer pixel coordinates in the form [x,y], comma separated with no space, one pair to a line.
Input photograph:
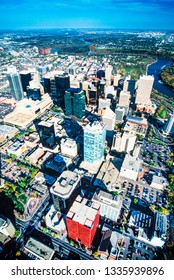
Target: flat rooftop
[83,212]
[65,184]
[131,163]
[19,119]
[47,124]
[6,130]
[39,249]
[17,145]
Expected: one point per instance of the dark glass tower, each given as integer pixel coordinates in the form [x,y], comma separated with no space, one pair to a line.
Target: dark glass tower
[75,102]
[25,79]
[47,134]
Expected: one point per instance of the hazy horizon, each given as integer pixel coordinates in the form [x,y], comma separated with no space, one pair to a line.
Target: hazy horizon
[103,14]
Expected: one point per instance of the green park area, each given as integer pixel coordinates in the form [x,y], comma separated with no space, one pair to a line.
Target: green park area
[162,113]
[135,66]
[17,191]
[167,75]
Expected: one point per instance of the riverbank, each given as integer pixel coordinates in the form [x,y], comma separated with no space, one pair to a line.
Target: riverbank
[167,76]
[155,70]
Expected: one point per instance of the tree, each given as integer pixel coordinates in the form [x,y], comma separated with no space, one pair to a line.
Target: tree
[171,178]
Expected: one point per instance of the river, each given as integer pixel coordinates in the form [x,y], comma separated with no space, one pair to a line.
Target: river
[155,69]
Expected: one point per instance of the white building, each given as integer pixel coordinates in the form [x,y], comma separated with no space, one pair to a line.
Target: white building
[39,250]
[124,98]
[130,167]
[64,190]
[169,126]
[109,119]
[104,103]
[126,83]
[68,147]
[110,90]
[116,79]
[6,227]
[124,143]
[55,221]
[159,182]
[108,73]
[145,85]
[119,113]
[17,149]
[110,206]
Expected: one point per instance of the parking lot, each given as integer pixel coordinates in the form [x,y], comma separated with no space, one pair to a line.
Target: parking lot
[154,154]
[12,171]
[133,249]
[145,192]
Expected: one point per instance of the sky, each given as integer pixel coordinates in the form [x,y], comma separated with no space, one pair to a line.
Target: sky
[119,14]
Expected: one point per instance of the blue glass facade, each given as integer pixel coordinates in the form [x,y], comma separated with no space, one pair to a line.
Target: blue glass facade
[94,142]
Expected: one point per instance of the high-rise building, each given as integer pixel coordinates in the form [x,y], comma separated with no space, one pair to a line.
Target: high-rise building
[62,83]
[94,142]
[100,74]
[144,89]
[82,221]
[75,102]
[124,98]
[47,84]
[68,147]
[108,74]
[109,119]
[25,79]
[129,85]
[119,113]
[65,190]
[56,84]
[47,134]
[123,143]
[15,83]
[92,96]
[117,77]
[35,90]
[169,126]
[102,88]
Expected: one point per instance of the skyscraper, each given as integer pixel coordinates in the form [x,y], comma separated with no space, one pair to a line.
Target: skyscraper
[47,134]
[143,92]
[92,96]
[124,98]
[169,126]
[25,79]
[129,85]
[62,83]
[94,142]
[65,190]
[75,102]
[35,90]
[82,221]
[56,85]
[15,83]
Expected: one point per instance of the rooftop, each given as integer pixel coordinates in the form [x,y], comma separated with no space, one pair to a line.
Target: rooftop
[65,184]
[131,163]
[6,130]
[137,120]
[95,126]
[39,249]
[16,146]
[47,124]
[83,212]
